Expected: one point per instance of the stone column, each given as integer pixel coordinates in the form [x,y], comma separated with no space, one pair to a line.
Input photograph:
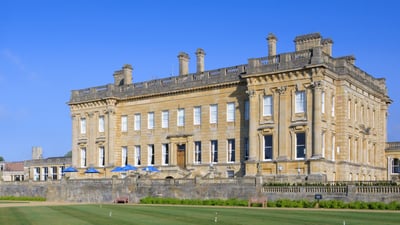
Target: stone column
[75,133]
[316,120]
[254,115]
[283,132]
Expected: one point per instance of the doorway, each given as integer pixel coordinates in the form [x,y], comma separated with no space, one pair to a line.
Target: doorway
[181,156]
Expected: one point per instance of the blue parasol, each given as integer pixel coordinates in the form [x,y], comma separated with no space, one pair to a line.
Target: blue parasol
[118,169]
[150,169]
[128,167]
[91,170]
[70,170]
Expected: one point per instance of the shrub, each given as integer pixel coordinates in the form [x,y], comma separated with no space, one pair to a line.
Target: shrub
[22,198]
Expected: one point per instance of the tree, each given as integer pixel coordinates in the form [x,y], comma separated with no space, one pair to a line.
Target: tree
[68,154]
[1,159]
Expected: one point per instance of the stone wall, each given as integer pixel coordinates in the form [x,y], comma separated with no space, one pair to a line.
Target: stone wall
[106,190]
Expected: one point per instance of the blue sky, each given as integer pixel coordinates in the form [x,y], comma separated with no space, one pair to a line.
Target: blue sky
[48,48]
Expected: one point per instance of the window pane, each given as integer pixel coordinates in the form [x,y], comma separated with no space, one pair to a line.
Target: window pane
[181,117]
[83,126]
[101,124]
[246,110]
[165,154]
[137,122]
[267,105]
[150,120]
[124,123]
[213,113]
[268,147]
[197,115]
[137,155]
[300,145]
[197,152]
[124,156]
[300,102]
[231,150]
[230,112]
[150,152]
[214,151]
[165,119]
[101,156]
[83,157]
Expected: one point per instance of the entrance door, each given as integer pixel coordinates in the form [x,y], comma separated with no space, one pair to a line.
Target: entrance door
[181,160]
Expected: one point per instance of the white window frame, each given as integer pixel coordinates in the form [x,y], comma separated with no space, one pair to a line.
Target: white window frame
[124,123]
[197,152]
[231,150]
[138,152]
[124,155]
[83,125]
[333,147]
[165,119]
[268,147]
[213,113]
[150,154]
[165,154]
[180,117]
[268,105]
[101,124]
[137,122]
[300,102]
[150,120]
[333,106]
[304,145]
[197,115]
[230,112]
[83,157]
[214,151]
[102,161]
[323,140]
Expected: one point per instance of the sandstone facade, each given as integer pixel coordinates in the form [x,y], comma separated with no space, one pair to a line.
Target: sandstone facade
[303,113]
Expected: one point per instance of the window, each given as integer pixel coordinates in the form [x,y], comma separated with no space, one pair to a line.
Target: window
[231,150]
[333,106]
[83,157]
[45,173]
[355,111]
[101,124]
[165,154]
[53,171]
[230,112]
[246,148]
[267,147]
[83,125]
[267,105]
[101,156]
[165,119]
[300,106]
[300,145]
[137,155]
[150,155]
[150,120]
[181,118]
[137,122]
[36,173]
[124,123]
[197,115]
[214,151]
[124,156]
[323,102]
[395,165]
[246,110]
[213,113]
[197,152]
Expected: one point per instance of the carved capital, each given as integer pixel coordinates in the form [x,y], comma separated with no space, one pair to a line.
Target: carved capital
[251,93]
[281,90]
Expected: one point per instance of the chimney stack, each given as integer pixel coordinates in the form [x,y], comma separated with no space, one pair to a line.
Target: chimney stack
[124,76]
[183,63]
[200,60]
[327,46]
[127,73]
[271,39]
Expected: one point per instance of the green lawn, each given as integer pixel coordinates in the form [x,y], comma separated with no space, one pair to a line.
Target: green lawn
[186,215]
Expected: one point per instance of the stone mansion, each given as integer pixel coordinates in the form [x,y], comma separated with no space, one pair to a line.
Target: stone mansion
[300,115]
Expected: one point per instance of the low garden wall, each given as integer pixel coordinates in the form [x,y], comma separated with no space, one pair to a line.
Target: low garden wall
[107,190]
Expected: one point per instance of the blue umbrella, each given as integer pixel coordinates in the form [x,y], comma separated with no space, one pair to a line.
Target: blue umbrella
[118,169]
[70,170]
[91,170]
[150,169]
[128,167]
